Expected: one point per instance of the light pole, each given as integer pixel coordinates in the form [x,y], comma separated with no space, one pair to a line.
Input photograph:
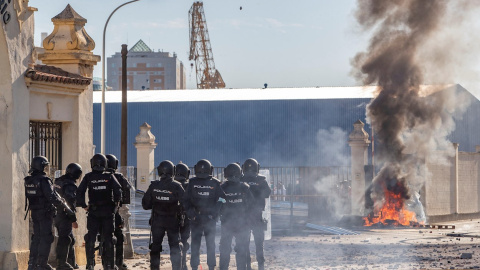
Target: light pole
[102,128]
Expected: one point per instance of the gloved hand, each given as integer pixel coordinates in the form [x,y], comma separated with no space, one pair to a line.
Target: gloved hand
[191,214]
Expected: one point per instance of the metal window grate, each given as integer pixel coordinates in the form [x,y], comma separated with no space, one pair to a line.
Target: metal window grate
[46,140]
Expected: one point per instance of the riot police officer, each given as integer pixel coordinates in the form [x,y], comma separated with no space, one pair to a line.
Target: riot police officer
[260,190]
[104,194]
[164,198]
[182,173]
[112,166]
[43,202]
[65,186]
[234,218]
[202,200]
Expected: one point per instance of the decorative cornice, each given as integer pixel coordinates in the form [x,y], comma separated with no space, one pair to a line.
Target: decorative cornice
[53,74]
[358,134]
[69,21]
[145,136]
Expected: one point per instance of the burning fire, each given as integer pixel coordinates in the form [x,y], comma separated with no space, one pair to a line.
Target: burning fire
[393,212]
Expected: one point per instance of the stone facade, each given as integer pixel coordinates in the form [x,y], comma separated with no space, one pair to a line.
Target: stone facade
[58,92]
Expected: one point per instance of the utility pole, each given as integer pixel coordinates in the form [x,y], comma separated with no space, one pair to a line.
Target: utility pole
[123,141]
[102,118]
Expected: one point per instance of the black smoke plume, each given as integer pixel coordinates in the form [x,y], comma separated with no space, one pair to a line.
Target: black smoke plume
[410,127]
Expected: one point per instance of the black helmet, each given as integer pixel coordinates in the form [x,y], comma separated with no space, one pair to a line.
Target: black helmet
[203,169]
[251,167]
[74,170]
[112,162]
[233,172]
[182,172]
[166,168]
[98,163]
[38,164]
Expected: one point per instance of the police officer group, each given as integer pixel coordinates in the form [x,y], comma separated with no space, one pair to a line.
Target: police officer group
[55,202]
[180,206]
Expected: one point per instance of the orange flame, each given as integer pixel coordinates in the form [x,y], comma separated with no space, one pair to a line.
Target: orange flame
[392,212]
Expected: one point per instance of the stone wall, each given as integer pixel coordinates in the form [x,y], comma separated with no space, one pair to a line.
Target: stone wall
[453,192]
[439,190]
[468,185]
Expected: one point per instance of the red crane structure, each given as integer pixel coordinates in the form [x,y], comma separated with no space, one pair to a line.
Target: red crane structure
[201,51]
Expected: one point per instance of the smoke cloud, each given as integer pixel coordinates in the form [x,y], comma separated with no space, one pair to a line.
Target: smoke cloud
[403,54]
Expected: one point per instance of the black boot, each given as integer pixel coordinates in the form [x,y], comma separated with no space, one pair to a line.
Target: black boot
[90,254]
[44,267]
[71,256]
[119,257]
[62,265]
[62,253]
[155,260]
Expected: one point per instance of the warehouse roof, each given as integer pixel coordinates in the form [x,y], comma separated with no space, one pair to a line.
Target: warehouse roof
[243,94]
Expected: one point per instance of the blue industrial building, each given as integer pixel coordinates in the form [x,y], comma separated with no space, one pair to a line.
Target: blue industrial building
[278,127]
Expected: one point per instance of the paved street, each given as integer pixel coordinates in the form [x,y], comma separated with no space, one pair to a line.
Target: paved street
[372,248]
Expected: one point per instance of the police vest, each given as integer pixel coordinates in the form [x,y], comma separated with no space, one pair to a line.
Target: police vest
[203,193]
[99,189]
[60,185]
[125,187]
[34,193]
[165,198]
[257,185]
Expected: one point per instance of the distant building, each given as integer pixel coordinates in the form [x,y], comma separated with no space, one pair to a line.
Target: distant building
[97,84]
[146,70]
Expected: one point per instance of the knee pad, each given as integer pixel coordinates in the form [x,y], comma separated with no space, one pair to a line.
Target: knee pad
[156,247]
[49,238]
[186,246]
[89,239]
[64,241]
[120,238]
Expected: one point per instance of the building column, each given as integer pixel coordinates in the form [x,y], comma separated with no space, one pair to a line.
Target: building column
[455,168]
[145,144]
[70,48]
[359,142]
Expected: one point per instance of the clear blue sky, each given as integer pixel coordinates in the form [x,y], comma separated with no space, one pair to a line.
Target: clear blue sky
[282,43]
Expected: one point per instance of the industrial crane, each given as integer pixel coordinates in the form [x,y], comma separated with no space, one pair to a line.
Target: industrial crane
[201,51]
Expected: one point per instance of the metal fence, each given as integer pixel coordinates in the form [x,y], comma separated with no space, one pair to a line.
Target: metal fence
[302,194]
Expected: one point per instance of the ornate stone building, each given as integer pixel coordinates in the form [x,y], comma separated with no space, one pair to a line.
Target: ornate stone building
[44,110]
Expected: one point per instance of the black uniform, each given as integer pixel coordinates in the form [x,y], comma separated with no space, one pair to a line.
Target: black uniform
[67,189]
[42,200]
[201,204]
[234,223]
[164,198]
[104,193]
[260,190]
[184,229]
[119,222]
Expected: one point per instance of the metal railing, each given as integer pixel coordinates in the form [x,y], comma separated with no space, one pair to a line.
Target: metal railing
[303,194]
[46,140]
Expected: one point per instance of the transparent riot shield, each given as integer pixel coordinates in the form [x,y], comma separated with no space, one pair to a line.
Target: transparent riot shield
[267,214]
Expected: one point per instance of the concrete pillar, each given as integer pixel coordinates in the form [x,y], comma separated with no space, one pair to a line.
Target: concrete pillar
[455,171]
[69,47]
[145,144]
[359,142]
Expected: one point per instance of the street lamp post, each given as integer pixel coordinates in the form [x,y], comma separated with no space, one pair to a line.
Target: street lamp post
[102,128]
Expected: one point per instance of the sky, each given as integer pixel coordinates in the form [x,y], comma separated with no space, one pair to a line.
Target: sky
[303,43]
